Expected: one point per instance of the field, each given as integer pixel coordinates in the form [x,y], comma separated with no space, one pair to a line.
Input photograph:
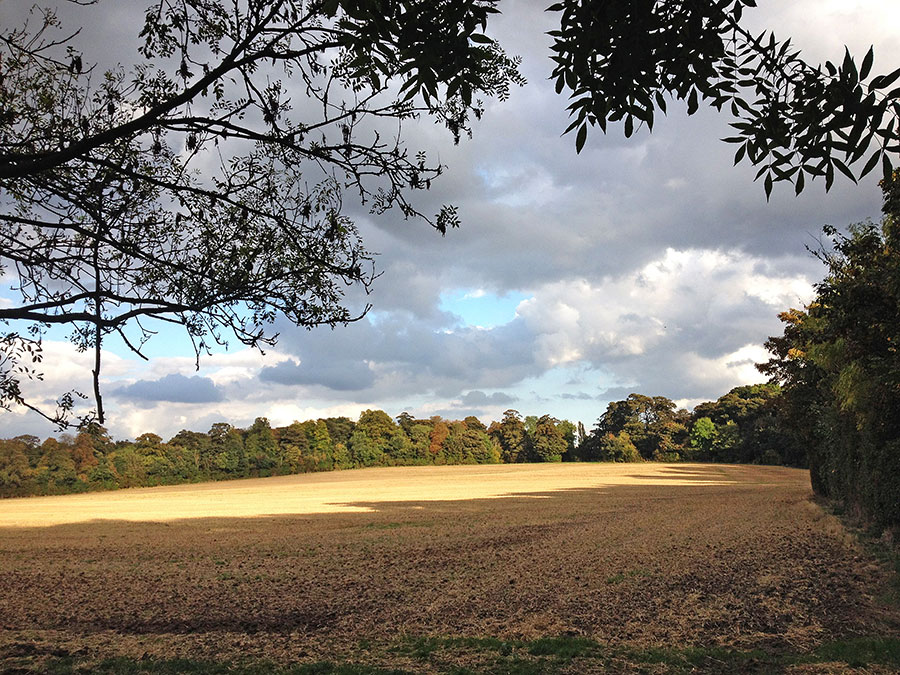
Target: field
[516,568]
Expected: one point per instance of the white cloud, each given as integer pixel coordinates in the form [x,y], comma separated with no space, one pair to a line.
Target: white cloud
[693,310]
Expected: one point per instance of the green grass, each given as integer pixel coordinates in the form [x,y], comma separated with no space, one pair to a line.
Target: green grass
[860,652]
[555,655]
[564,647]
[126,666]
[492,656]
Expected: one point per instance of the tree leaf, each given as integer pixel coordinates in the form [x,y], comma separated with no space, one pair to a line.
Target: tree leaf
[581,138]
[866,66]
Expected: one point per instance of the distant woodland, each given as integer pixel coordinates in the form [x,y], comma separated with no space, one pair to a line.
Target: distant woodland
[741,426]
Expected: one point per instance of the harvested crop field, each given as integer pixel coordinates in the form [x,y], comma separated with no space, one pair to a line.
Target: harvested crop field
[431,569]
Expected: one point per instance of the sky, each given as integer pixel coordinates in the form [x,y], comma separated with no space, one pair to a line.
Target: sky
[647,265]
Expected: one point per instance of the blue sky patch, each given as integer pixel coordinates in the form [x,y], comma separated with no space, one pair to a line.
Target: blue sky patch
[477,307]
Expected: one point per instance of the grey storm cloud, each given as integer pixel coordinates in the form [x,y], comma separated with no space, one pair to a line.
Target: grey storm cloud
[173,388]
[330,372]
[580,396]
[480,398]
[398,355]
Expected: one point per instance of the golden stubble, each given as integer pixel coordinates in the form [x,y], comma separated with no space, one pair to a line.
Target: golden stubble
[307,567]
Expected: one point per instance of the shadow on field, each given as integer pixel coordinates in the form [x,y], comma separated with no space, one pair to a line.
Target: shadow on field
[694,473]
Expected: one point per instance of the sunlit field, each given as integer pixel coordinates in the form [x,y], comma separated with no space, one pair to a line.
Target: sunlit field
[556,568]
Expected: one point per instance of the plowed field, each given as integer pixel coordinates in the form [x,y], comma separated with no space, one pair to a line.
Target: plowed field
[358,565]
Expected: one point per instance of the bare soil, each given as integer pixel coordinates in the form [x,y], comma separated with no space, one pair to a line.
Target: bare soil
[316,567]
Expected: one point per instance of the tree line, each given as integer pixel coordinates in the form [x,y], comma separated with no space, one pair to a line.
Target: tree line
[744,426]
[738,427]
[91,460]
[838,363]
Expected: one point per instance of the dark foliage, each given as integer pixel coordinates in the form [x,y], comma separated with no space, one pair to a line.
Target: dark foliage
[839,366]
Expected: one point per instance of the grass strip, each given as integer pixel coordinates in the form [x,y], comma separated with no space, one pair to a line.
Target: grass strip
[492,656]
[128,666]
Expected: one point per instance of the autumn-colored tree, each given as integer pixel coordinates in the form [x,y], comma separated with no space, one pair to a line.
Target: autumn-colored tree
[439,433]
[83,454]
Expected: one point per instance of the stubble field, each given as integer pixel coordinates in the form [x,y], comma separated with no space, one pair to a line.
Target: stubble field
[524,568]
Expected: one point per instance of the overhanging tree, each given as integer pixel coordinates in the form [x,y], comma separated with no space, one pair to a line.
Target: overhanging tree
[198,187]
[204,185]
[622,62]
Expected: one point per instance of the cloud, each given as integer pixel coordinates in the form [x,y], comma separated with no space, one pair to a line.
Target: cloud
[173,388]
[580,396]
[698,301]
[330,372]
[479,398]
[397,356]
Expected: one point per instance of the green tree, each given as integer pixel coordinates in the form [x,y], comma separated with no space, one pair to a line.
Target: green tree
[755,412]
[568,431]
[474,423]
[512,436]
[104,474]
[381,431]
[340,428]
[549,444]
[652,425]
[840,369]
[200,448]
[617,448]
[342,457]
[129,465]
[228,448]
[455,449]
[420,438]
[703,438]
[321,447]
[293,442]
[406,421]
[261,448]
[363,450]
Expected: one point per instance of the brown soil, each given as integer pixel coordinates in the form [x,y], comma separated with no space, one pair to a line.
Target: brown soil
[639,554]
